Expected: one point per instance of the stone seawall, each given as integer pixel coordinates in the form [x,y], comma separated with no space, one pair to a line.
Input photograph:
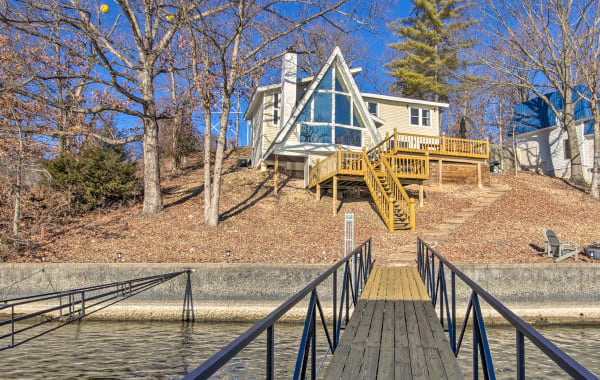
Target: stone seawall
[540,293]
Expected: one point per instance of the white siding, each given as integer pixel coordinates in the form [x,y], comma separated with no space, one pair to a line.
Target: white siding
[588,146]
[544,151]
[397,115]
[270,128]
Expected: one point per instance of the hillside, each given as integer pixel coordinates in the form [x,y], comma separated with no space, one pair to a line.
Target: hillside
[293,227]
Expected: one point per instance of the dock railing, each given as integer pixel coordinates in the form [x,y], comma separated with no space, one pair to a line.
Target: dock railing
[433,269]
[353,281]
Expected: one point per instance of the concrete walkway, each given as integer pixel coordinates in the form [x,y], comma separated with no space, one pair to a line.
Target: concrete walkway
[407,254]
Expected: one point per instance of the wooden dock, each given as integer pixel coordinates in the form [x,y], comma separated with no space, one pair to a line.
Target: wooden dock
[394,333]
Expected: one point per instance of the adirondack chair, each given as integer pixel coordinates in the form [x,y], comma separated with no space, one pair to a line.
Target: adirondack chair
[557,249]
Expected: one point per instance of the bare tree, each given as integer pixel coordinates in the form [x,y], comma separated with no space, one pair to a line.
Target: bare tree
[530,39]
[124,48]
[586,46]
[244,40]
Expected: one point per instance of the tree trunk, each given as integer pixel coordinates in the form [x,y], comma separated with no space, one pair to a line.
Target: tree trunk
[576,177]
[515,158]
[213,217]
[594,190]
[207,148]
[152,193]
[17,214]
[176,141]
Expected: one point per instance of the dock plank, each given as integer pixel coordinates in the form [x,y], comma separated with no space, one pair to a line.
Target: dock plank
[394,333]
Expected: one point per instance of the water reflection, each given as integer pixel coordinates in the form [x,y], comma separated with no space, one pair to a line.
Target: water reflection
[159,350]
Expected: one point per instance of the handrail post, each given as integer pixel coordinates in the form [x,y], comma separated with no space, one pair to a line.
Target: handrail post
[339,158]
[412,214]
[335,336]
[487,147]
[443,146]
[520,356]
[391,215]
[270,353]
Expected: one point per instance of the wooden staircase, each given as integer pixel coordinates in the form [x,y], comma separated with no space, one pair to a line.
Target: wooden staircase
[383,166]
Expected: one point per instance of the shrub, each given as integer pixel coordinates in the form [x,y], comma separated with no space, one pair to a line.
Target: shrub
[97,176]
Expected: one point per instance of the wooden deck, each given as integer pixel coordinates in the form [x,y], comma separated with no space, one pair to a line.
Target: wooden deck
[394,333]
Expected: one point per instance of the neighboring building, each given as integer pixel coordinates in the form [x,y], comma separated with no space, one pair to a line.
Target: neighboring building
[542,143]
[303,120]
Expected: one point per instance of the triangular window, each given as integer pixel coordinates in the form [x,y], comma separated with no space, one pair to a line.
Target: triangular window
[330,115]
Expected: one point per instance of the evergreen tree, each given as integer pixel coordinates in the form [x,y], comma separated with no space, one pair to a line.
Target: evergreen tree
[97,176]
[429,52]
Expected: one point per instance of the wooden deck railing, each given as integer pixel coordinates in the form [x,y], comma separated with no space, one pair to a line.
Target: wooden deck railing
[340,162]
[440,145]
[411,167]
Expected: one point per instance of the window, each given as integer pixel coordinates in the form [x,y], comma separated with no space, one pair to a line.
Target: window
[567,149]
[329,117]
[420,117]
[414,116]
[425,118]
[276,108]
[372,108]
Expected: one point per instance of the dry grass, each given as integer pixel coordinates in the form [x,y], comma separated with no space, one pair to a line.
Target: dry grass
[294,227]
[510,230]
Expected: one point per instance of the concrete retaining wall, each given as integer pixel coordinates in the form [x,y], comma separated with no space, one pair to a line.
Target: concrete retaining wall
[561,293]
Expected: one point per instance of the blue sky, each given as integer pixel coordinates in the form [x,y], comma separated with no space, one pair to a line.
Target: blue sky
[377,51]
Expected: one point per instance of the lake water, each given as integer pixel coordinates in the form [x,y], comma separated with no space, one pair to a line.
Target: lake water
[161,350]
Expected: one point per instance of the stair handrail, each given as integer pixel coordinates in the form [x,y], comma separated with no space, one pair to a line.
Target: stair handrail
[376,150]
[383,203]
[405,202]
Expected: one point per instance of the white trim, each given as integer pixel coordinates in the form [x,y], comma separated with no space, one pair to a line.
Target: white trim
[348,80]
[535,131]
[259,90]
[404,100]
[420,117]
[377,119]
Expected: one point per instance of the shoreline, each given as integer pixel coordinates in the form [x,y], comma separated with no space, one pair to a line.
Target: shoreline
[544,294]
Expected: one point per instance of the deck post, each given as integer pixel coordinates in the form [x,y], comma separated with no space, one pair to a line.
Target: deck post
[334,200]
[443,147]
[318,191]
[479,185]
[440,172]
[276,171]
[421,194]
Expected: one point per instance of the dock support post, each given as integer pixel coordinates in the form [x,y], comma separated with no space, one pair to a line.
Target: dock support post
[421,194]
[440,173]
[187,314]
[479,185]
[334,201]
[520,356]
[276,172]
[270,353]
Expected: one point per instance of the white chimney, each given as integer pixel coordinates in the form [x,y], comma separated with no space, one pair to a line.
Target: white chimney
[289,76]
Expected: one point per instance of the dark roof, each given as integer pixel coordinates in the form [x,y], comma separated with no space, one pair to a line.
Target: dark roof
[535,113]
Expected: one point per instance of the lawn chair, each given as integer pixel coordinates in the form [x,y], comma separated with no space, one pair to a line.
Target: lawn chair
[557,249]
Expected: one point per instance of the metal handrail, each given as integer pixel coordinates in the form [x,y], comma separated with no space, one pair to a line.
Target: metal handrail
[435,281]
[350,288]
[80,303]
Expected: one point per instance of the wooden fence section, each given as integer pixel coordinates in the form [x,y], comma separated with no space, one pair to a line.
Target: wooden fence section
[394,333]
